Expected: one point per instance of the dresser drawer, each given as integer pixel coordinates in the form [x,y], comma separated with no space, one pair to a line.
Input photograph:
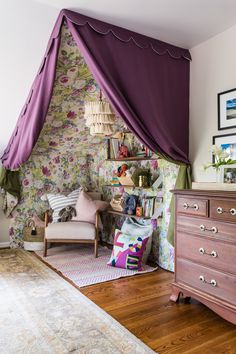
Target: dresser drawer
[210,281]
[207,228]
[192,206]
[223,209]
[212,253]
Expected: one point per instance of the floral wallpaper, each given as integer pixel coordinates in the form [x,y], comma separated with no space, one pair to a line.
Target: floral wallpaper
[67,156]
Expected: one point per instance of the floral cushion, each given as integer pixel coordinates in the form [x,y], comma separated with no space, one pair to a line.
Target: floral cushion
[127,251]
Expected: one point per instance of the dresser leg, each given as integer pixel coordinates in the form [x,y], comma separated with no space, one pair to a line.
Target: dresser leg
[175,293]
[187,299]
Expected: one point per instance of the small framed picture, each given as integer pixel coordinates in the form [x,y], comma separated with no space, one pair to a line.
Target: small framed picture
[227,109]
[226,142]
[228,174]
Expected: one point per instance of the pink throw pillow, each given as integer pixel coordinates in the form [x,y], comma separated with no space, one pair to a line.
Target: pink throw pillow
[101,205]
[86,208]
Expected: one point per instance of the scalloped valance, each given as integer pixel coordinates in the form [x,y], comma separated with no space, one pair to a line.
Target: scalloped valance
[124,35]
[145,80]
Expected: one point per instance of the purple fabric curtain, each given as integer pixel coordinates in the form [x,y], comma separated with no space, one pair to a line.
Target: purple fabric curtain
[145,80]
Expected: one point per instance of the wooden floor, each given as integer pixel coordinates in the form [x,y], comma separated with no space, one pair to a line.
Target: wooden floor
[141,303]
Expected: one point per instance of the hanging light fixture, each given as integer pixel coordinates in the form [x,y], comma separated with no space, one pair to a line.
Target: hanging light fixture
[99,117]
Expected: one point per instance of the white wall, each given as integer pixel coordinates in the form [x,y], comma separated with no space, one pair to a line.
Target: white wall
[25,28]
[213,70]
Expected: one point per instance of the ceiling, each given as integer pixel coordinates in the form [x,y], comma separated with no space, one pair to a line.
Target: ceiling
[185,23]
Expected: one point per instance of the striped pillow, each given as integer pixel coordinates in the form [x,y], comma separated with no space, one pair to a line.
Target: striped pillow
[59,201]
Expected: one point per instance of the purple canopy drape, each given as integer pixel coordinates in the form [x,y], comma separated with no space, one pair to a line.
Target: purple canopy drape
[145,80]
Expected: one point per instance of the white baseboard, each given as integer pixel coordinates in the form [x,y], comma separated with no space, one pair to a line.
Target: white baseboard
[4,244]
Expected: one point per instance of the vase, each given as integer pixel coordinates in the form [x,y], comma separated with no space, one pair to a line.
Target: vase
[218,175]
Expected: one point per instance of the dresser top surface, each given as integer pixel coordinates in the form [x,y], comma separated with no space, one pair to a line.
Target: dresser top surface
[205,193]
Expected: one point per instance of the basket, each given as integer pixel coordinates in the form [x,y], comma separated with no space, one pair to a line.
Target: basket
[117,203]
[33,237]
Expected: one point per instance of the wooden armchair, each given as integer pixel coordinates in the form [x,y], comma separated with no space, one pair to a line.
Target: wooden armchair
[72,232]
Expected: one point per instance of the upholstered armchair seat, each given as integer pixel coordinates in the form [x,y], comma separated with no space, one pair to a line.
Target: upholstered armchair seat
[75,230]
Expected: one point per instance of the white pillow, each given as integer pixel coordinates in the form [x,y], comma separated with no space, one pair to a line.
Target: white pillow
[59,201]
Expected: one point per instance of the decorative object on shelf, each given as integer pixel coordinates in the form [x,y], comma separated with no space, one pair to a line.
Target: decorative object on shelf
[99,117]
[139,209]
[141,151]
[123,151]
[228,174]
[221,157]
[145,175]
[143,181]
[115,182]
[130,204]
[124,175]
[121,171]
[227,109]
[118,203]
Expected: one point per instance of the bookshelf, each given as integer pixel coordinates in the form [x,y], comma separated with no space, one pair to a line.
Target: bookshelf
[134,158]
[132,187]
[111,211]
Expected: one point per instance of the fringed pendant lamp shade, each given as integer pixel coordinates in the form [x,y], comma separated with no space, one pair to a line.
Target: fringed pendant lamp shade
[99,117]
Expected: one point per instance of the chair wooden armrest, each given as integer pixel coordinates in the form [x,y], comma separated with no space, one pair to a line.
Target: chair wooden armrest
[46,217]
[97,220]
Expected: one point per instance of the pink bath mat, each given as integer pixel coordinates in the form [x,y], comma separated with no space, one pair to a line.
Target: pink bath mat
[77,264]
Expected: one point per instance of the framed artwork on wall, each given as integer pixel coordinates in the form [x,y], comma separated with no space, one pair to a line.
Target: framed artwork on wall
[227,109]
[226,142]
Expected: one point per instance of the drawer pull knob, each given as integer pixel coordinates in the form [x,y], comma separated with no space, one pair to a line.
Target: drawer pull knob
[195,206]
[202,278]
[213,229]
[232,211]
[201,250]
[212,253]
[212,282]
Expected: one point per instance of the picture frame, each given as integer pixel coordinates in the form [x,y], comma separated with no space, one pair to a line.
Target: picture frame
[228,174]
[226,109]
[226,142]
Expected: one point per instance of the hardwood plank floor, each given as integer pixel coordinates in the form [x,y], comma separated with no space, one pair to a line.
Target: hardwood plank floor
[142,305]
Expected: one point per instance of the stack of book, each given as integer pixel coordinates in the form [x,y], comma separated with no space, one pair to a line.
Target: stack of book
[147,206]
[115,182]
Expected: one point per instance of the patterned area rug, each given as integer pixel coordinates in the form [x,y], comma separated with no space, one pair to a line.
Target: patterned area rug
[77,264]
[42,313]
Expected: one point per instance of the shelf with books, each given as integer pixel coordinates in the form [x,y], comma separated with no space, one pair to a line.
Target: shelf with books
[125,147]
[133,158]
[131,187]
[111,211]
